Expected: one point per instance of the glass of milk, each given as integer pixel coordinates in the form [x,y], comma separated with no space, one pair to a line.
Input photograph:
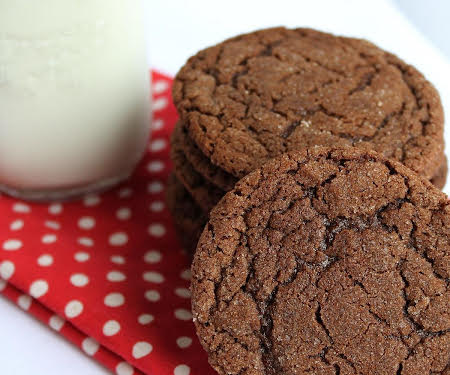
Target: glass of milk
[74,95]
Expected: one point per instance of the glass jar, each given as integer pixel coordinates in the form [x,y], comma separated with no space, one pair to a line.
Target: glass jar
[74,95]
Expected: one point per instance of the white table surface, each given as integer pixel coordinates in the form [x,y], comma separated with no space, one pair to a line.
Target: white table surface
[177,29]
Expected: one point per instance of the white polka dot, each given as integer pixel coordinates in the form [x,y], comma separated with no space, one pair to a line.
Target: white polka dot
[91,200]
[81,256]
[24,302]
[157,230]
[123,213]
[118,239]
[152,256]
[157,206]
[56,322]
[160,104]
[79,280]
[182,370]
[2,285]
[52,224]
[115,276]
[7,269]
[155,187]
[152,295]
[158,145]
[90,346]
[160,86]
[125,192]
[118,259]
[111,328]
[141,349]
[38,288]
[48,238]
[155,166]
[21,208]
[183,292]
[55,208]
[86,241]
[86,223]
[16,225]
[114,300]
[12,245]
[184,342]
[73,309]
[157,124]
[153,277]
[146,319]
[124,368]
[186,275]
[45,260]
[183,314]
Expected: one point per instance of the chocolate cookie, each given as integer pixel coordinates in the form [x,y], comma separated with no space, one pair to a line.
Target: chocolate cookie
[200,162]
[188,218]
[326,262]
[256,96]
[205,194]
[440,178]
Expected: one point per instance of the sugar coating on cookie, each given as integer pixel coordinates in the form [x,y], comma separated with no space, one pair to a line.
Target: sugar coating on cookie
[326,262]
[256,96]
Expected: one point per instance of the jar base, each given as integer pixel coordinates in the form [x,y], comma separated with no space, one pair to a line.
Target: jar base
[71,193]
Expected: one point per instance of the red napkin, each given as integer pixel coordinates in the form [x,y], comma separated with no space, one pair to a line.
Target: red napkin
[107,271]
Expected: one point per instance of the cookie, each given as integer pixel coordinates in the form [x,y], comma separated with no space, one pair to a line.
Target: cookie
[326,261]
[200,162]
[226,181]
[440,178]
[205,194]
[188,218]
[256,96]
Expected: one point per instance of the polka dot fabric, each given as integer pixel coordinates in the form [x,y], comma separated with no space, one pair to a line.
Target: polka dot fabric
[107,272]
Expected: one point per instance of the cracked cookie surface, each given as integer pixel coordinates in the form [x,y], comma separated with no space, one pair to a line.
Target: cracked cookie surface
[256,96]
[328,261]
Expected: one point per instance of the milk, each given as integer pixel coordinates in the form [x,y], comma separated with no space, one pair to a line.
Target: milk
[74,95]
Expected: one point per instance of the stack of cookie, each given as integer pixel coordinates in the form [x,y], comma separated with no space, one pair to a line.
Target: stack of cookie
[257,96]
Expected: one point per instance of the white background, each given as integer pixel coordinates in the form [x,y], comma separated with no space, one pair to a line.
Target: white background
[176,30]
[430,17]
